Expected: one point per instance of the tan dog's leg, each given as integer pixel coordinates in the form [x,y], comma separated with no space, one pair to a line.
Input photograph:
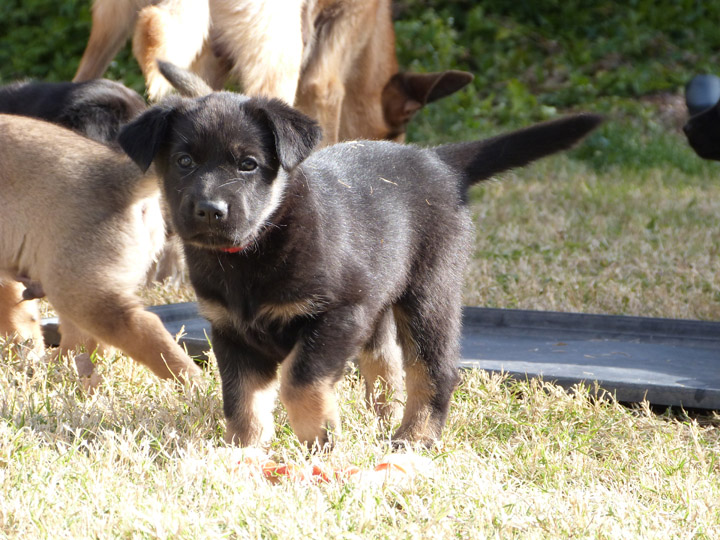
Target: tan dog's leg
[210,68]
[112,25]
[264,43]
[381,361]
[322,85]
[18,318]
[172,30]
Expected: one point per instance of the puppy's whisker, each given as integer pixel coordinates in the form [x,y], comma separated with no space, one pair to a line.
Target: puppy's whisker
[233,181]
[223,168]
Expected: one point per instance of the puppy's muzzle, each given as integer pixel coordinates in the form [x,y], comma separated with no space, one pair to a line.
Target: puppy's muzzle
[210,214]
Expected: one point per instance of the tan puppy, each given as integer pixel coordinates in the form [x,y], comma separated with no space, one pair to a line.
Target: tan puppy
[334,59]
[80,223]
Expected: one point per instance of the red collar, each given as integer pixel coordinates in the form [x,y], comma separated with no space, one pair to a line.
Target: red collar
[236,249]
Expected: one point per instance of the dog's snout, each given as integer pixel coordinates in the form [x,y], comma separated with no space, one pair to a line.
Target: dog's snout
[211,211]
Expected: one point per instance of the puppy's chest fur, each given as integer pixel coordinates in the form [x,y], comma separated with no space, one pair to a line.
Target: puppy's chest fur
[254,309]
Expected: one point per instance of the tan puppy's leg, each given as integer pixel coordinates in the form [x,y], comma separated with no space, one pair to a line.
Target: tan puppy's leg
[112,25]
[120,321]
[322,85]
[264,43]
[172,30]
[19,318]
[73,339]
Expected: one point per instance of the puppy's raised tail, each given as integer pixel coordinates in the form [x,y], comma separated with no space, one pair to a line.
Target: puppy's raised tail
[480,160]
[188,84]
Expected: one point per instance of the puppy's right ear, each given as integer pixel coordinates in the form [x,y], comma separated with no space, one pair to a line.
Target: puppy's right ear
[142,138]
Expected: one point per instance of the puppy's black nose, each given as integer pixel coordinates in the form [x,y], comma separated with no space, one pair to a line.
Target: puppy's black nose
[211,211]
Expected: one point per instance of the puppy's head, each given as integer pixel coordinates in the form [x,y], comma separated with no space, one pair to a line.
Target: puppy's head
[224,159]
[703,133]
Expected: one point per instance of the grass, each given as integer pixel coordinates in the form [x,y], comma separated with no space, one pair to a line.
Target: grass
[558,236]
[142,458]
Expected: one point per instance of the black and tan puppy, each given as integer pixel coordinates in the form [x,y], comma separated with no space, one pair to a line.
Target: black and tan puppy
[303,261]
[94,108]
[83,223]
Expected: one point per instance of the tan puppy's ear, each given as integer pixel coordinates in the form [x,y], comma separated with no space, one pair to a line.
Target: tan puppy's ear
[406,93]
[142,138]
[296,135]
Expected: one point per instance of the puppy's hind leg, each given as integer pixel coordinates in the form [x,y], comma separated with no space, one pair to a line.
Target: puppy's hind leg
[429,338]
[73,339]
[263,42]
[341,39]
[380,361]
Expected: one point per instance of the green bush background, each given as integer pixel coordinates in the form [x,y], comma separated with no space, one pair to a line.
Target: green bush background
[532,60]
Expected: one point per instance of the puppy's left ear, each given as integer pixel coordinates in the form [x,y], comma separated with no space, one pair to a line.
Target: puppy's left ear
[295,134]
[142,138]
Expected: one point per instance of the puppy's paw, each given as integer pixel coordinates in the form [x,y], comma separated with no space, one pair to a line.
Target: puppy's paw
[89,378]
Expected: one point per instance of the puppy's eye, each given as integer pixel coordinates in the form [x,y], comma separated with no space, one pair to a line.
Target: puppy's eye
[185,161]
[247,164]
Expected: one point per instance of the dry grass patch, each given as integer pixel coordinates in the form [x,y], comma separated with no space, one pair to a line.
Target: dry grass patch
[144,458]
[557,236]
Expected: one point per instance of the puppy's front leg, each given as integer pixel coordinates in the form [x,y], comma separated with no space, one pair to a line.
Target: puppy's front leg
[19,319]
[312,369]
[249,388]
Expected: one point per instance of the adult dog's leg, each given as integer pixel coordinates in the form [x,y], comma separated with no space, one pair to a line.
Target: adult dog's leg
[380,361]
[112,24]
[264,43]
[19,319]
[173,30]
[340,37]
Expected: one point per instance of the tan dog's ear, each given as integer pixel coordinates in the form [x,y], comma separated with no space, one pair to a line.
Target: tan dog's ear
[406,93]
[296,135]
[142,138]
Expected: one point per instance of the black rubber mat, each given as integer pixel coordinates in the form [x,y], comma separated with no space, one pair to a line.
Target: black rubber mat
[666,361]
